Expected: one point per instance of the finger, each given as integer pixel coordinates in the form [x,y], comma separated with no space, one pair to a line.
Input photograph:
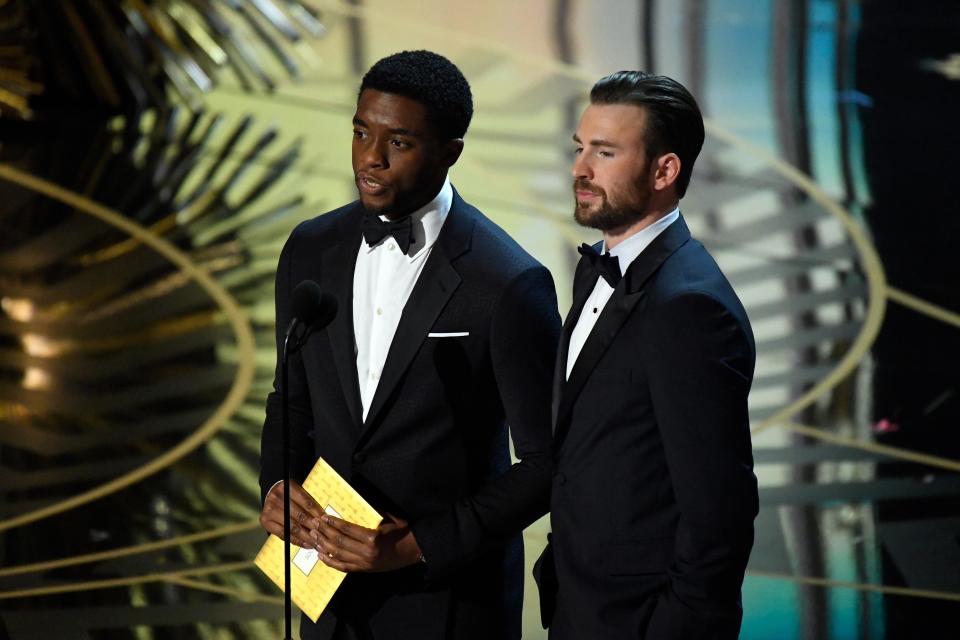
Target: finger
[333,563]
[298,535]
[351,531]
[341,554]
[397,520]
[273,512]
[271,519]
[303,508]
[336,539]
[303,500]
[342,560]
[298,496]
[388,527]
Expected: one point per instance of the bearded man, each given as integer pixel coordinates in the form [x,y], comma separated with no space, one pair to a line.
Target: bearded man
[653,496]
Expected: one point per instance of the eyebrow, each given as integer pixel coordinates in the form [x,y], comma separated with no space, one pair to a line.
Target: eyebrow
[396,131]
[597,142]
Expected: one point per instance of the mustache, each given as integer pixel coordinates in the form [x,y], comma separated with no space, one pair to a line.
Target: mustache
[583,185]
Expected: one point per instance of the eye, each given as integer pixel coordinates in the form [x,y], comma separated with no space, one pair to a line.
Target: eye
[359,134]
[605,154]
[578,151]
[400,144]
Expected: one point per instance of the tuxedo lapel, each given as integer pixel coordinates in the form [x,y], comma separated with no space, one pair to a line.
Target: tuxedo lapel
[436,284]
[625,297]
[583,282]
[339,263]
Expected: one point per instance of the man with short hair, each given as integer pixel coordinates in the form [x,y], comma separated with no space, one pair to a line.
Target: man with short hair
[654,494]
[445,335]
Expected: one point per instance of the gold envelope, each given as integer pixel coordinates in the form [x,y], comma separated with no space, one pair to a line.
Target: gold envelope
[312,582]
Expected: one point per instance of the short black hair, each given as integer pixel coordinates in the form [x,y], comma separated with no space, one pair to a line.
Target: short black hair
[431,80]
[674,123]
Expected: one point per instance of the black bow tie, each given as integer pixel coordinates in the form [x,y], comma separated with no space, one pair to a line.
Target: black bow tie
[606,265]
[374,230]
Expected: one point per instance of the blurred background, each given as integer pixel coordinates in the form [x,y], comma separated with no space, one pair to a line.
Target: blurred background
[154,155]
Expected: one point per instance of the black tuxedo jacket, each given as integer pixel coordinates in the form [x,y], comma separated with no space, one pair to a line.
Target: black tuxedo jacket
[654,494]
[434,447]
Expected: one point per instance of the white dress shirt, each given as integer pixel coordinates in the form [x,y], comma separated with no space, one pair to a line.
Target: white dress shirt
[383,279]
[626,252]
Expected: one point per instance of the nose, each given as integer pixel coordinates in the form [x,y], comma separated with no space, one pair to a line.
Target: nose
[373,154]
[581,167]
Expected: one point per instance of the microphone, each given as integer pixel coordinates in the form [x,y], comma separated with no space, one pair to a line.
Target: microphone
[313,308]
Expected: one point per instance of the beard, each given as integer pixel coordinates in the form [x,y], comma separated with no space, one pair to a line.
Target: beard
[619,209]
[373,210]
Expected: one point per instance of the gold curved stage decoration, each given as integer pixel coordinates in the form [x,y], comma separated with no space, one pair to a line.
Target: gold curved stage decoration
[930,594]
[112,583]
[873,270]
[125,552]
[923,307]
[228,306]
[526,206]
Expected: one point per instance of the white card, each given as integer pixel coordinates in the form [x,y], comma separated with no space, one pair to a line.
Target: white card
[306,560]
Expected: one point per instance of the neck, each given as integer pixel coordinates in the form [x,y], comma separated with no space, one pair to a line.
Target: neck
[416,205]
[613,237]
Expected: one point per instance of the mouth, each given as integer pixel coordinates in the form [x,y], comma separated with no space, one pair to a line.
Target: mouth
[583,193]
[369,186]
[585,197]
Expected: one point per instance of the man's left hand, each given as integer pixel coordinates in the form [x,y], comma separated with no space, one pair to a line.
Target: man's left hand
[348,547]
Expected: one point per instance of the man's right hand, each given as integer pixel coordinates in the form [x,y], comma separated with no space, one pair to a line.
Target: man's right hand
[305,515]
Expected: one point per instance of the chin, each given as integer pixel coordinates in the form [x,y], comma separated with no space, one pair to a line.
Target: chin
[585,217]
[605,218]
[375,207]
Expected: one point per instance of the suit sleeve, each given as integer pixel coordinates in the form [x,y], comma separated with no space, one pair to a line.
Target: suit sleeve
[701,360]
[523,341]
[302,455]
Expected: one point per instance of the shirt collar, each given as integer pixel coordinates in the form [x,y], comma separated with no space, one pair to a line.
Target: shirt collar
[427,220]
[628,250]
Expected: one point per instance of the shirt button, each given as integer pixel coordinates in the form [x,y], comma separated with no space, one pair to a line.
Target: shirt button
[390,245]
[373,375]
[379,311]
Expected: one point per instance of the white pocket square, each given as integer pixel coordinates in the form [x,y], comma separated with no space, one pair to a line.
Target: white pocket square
[451,334]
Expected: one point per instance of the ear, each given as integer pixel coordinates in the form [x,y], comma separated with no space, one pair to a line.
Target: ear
[451,152]
[666,170]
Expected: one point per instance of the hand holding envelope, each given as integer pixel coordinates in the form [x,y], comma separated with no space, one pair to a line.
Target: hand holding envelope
[312,582]
[349,547]
[305,514]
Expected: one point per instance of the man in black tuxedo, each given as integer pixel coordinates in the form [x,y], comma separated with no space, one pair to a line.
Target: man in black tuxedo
[654,494]
[445,337]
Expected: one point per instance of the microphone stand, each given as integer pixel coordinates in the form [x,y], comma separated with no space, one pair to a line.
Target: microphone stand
[315,310]
[286,480]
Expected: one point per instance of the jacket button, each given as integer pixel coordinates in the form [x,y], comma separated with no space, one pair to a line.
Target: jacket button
[360,457]
[559,478]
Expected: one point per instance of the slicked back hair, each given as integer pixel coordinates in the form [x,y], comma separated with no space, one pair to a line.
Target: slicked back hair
[431,80]
[673,120]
